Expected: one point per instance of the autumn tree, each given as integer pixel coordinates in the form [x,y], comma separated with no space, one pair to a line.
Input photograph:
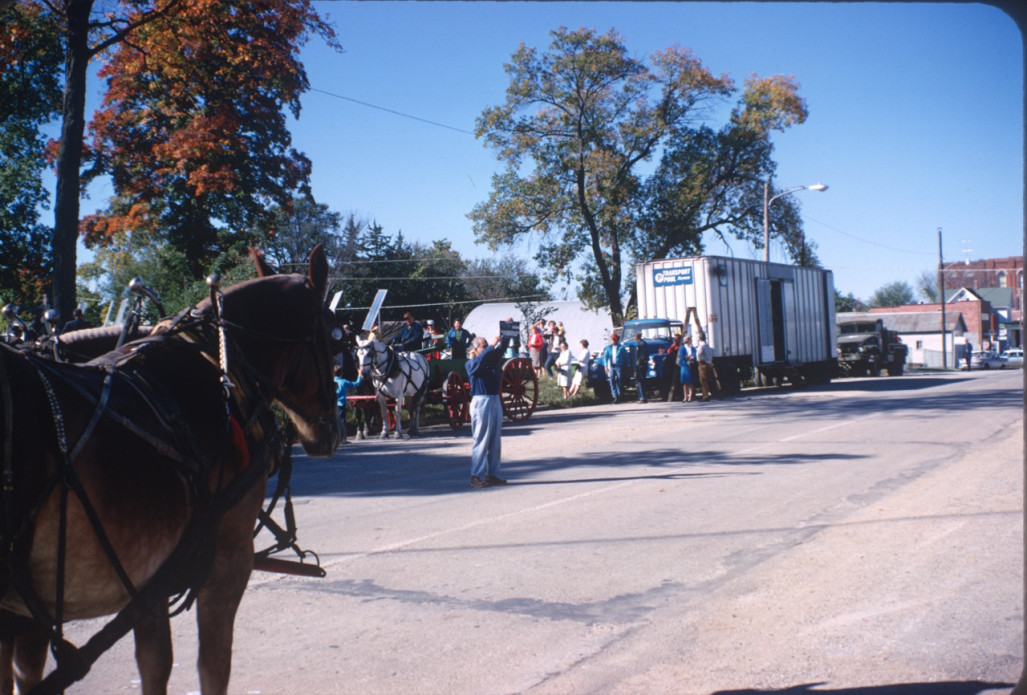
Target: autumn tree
[154,112]
[577,128]
[193,127]
[83,36]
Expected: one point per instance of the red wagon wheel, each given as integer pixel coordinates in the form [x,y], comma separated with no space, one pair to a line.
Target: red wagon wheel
[518,389]
[455,396]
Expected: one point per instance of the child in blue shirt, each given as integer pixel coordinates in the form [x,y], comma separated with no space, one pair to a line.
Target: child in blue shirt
[342,387]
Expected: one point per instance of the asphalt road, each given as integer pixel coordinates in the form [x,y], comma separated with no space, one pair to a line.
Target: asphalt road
[863,537]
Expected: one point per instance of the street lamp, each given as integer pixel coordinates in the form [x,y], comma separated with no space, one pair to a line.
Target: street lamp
[767,200]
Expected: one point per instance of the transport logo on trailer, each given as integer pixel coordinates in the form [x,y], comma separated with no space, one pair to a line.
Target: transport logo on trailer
[672,276]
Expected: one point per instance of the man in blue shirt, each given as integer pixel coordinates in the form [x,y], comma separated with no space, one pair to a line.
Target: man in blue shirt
[485,371]
[615,360]
[411,336]
[458,340]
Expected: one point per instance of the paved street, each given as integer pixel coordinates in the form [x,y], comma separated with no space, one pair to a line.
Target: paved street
[848,537]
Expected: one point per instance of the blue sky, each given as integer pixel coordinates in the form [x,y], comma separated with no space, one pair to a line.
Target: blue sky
[916,116]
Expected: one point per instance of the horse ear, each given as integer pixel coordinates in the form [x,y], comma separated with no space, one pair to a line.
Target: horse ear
[263,269]
[317,271]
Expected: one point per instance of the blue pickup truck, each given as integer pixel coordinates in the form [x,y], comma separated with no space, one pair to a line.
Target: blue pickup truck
[658,335]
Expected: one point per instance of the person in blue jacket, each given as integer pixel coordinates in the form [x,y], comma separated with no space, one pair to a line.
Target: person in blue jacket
[411,336]
[485,370]
[458,340]
[342,387]
[615,361]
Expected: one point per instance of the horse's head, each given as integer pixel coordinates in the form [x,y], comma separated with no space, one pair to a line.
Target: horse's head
[289,339]
[371,354]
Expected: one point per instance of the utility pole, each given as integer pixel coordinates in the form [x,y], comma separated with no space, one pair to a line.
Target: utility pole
[941,298]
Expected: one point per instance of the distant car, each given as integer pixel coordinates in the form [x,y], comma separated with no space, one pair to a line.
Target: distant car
[986,359]
[1013,358]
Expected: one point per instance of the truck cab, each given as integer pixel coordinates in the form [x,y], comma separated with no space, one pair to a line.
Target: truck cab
[658,335]
[865,346]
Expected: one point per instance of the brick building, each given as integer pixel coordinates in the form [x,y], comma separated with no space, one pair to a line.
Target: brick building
[989,273]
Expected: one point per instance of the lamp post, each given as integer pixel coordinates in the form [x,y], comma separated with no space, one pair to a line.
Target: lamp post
[767,200]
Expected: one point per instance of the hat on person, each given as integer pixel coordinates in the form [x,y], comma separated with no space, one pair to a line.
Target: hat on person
[615,337]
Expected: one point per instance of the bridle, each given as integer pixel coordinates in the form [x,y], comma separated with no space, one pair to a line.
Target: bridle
[380,373]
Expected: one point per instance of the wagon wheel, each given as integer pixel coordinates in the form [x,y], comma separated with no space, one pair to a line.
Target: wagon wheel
[518,389]
[454,399]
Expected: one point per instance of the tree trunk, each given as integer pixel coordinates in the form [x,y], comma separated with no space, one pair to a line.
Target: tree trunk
[69,156]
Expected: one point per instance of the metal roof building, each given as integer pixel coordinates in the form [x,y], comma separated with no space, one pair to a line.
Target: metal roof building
[579,322]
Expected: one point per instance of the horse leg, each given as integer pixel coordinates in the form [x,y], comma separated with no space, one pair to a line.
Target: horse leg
[218,599]
[22,660]
[384,407]
[153,651]
[6,667]
[398,416]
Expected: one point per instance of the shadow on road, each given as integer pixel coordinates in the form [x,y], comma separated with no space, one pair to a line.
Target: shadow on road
[408,468]
[941,688]
[437,462]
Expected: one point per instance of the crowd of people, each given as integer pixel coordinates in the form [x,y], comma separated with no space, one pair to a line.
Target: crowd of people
[687,371]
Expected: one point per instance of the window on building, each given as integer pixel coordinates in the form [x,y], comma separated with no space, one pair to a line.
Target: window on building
[919,345]
[1002,279]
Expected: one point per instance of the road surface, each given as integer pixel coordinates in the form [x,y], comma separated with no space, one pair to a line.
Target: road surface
[847,538]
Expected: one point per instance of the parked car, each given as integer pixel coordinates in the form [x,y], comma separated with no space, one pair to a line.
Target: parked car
[1013,357]
[986,359]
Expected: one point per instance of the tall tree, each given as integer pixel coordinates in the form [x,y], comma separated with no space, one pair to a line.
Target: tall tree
[218,47]
[84,36]
[193,127]
[927,285]
[893,294]
[504,279]
[588,117]
[846,302]
[30,96]
[288,233]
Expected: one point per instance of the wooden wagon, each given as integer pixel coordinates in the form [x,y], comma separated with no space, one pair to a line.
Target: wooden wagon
[449,386]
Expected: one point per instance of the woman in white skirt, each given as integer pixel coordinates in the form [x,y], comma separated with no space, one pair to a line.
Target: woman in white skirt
[563,368]
[583,359]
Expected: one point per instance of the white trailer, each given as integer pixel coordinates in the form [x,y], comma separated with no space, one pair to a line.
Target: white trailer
[765,321]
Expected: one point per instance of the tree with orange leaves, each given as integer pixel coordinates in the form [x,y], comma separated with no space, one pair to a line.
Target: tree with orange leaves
[192,128]
[185,138]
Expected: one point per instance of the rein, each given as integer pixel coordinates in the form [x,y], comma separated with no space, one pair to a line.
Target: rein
[248,395]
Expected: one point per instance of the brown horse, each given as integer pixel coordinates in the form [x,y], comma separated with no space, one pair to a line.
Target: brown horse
[139,476]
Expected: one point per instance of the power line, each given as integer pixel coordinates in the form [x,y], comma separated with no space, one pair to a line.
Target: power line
[867,241]
[404,278]
[468,301]
[392,111]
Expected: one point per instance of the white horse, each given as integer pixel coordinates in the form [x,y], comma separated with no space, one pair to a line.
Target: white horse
[396,375]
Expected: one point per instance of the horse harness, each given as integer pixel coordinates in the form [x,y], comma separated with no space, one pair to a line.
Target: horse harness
[248,418]
[392,367]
